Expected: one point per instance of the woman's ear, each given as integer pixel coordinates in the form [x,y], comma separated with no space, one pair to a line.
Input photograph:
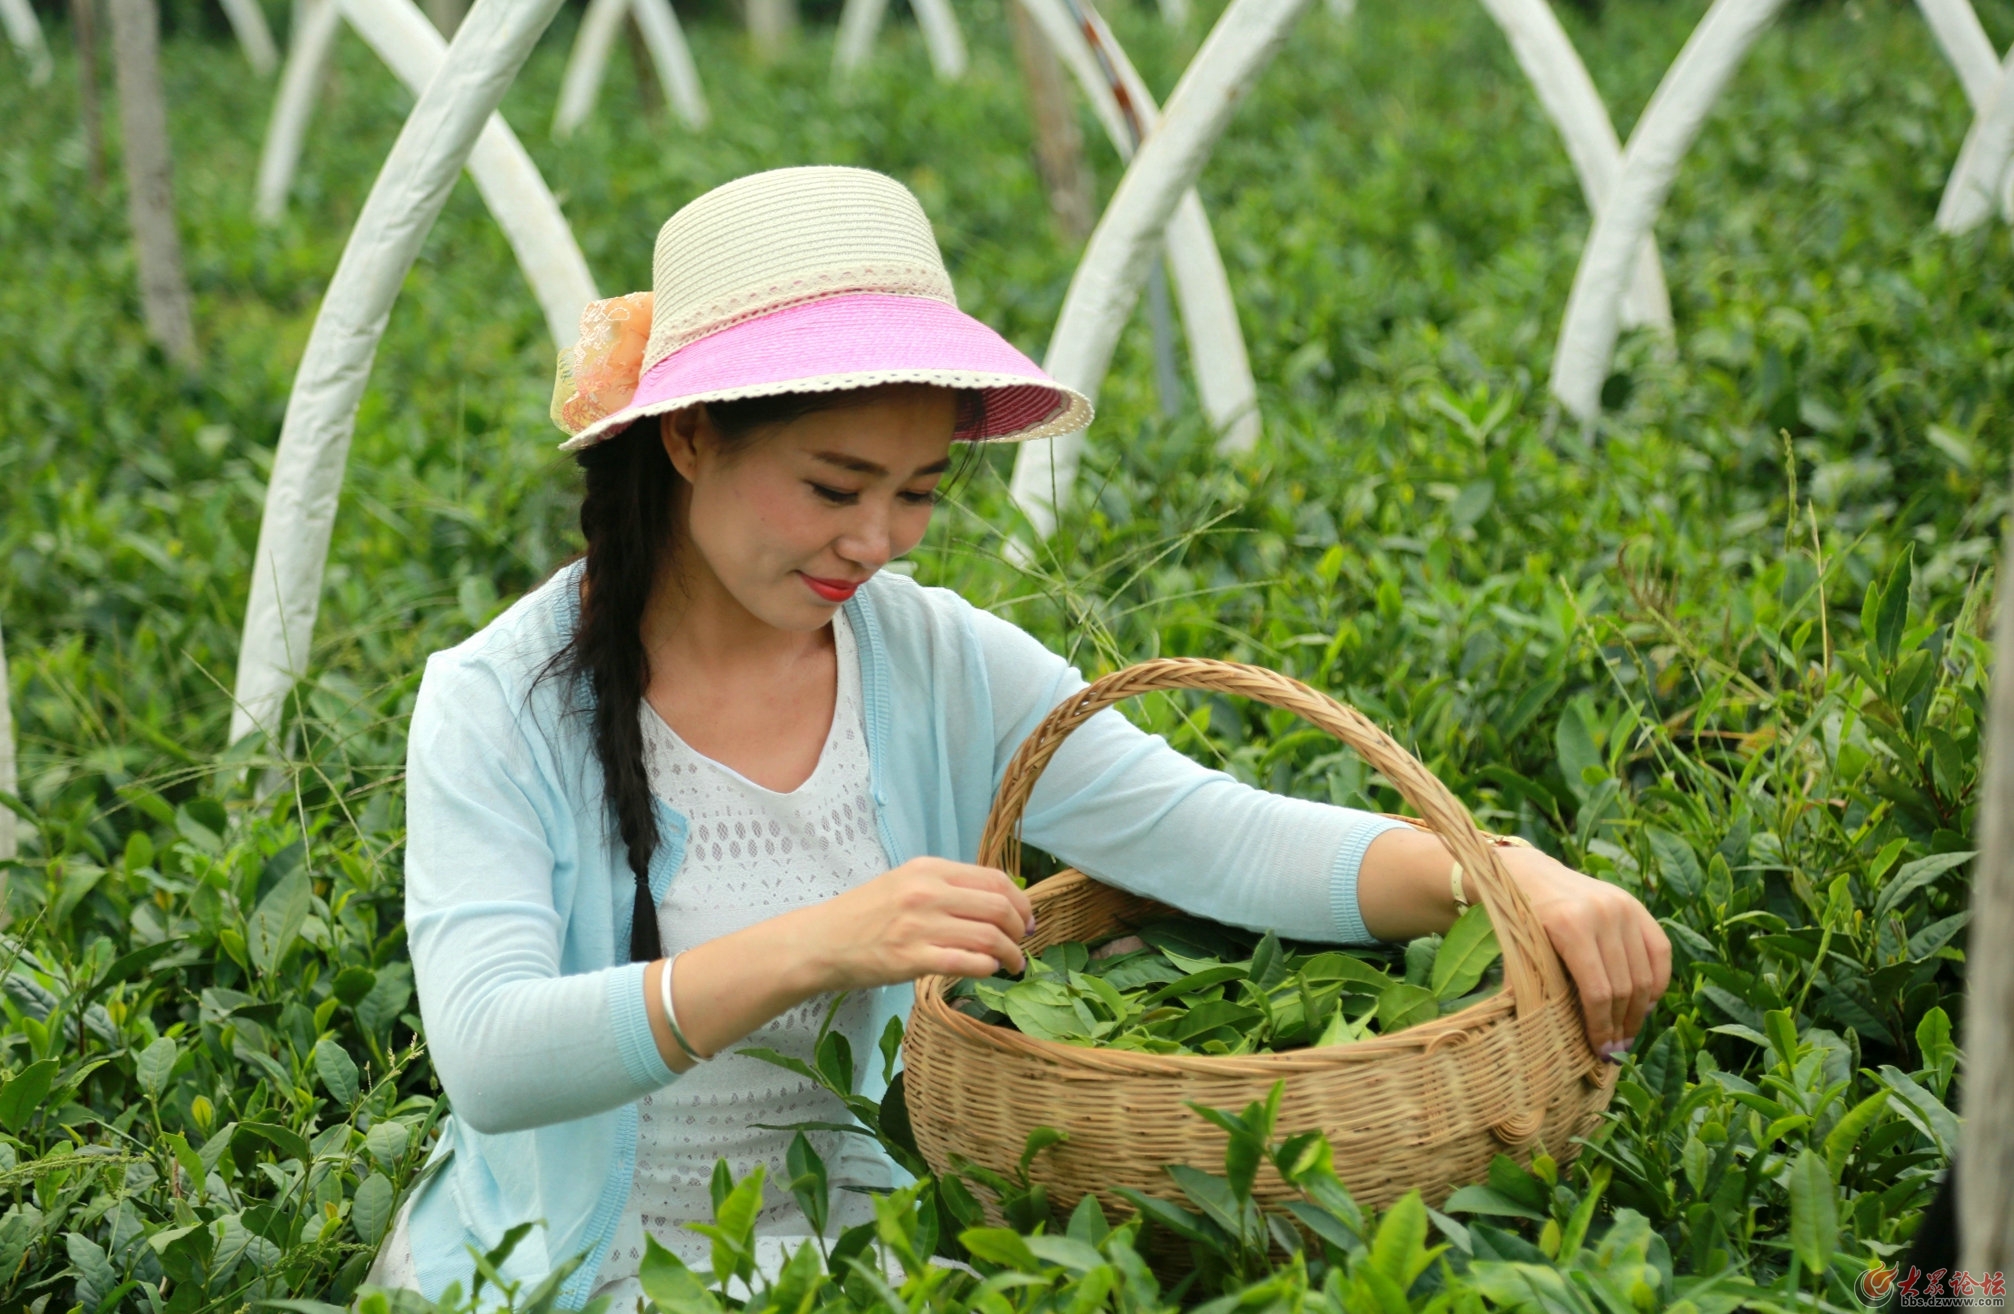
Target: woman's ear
[680,431]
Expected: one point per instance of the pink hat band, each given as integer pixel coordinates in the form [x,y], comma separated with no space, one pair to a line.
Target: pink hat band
[860,341]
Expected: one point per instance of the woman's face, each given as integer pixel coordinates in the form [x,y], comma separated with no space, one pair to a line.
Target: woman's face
[794,519]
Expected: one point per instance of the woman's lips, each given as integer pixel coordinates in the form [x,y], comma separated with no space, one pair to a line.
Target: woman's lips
[832,590]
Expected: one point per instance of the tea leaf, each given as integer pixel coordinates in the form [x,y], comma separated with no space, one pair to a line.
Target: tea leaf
[1465,954]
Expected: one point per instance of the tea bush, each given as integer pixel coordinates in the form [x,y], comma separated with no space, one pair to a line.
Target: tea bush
[1725,647]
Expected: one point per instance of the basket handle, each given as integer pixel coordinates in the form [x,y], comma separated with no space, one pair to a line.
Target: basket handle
[1532,971]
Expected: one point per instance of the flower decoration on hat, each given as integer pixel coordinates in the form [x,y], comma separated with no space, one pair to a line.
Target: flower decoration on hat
[598,374]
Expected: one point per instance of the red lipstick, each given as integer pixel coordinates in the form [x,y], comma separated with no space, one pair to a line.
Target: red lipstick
[832,590]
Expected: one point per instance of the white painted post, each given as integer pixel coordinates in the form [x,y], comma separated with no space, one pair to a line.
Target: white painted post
[1130,233]
[1223,369]
[306,482]
[10,780]
[859,20]
[587,62]
[510,183]
[1649,163]
[1555,71]
[24,32]
[672,58]
[316,25]
[256,39]
[941,37]
[1975,185]
[1985,1162]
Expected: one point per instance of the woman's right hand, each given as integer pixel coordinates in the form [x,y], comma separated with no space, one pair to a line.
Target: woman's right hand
[929,915]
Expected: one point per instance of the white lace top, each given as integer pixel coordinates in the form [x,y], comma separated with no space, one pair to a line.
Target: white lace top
[751,854]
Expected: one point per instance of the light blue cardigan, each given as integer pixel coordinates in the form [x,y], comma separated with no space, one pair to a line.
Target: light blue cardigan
[518,897]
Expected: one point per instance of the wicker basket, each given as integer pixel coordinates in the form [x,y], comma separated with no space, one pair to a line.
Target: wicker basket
[1425,1108]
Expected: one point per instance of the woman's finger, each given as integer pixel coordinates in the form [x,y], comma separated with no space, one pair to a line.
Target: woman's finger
[1615,962]
[1642,978]
[948,961]
[983,938]
[1590,979]
[994,880]
[983,906]
[1659,946]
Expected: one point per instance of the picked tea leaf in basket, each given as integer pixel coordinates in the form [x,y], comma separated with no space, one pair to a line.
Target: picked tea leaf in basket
[1185,986]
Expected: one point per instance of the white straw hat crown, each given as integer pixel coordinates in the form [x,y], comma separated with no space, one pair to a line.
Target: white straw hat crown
[784,237]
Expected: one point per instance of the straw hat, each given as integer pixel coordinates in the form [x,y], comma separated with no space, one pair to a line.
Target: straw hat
[797,280]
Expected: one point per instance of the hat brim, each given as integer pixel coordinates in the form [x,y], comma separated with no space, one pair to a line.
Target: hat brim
[858,340]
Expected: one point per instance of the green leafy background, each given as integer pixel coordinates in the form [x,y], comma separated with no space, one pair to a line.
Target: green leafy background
[1725,647]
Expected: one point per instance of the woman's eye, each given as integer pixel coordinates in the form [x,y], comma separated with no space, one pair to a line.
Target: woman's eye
[836,496]
[931,498]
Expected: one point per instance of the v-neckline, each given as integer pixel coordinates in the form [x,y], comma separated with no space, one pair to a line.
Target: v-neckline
[844,647]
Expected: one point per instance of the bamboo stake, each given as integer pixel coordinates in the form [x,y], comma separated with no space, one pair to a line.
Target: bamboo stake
[150,180]
[84,23]
[1985,1164]
[771,24]
[1059,143]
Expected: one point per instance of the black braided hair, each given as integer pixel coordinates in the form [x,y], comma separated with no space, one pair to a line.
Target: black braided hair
[627,517]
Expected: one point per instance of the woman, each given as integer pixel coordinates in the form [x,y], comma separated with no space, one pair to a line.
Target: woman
[723,769]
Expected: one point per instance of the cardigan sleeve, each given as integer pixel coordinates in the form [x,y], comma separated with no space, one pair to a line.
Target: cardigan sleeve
[516,1043]
[1122,805]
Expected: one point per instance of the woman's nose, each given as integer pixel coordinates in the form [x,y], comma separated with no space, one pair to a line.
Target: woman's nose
[866,540]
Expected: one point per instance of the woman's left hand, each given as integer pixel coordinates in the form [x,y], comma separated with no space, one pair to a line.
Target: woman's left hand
[1618,955]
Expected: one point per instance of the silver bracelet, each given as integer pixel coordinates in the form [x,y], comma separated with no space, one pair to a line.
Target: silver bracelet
[671,1014]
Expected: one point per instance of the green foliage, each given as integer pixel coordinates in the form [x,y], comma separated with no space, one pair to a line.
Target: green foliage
[1726,647]
[1169,989]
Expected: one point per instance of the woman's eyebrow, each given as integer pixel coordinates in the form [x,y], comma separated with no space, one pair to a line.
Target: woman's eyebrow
[860,465]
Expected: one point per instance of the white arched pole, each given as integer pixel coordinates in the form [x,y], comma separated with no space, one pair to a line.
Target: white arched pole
[433,146]
[504,174]
[1649,163]
[587,62]
[406,40]
[1223,369]
[860,20]
[249,22]
[1555,71]
[316,25]
[1129,234]
[1966,45]
[24,33]
[1975,185]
